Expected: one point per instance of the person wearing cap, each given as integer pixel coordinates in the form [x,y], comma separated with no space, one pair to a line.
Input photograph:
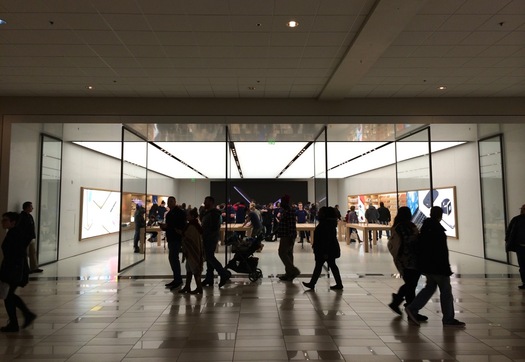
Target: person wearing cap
[287,233]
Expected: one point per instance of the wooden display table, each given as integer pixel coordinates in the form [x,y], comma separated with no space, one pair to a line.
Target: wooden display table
[234,227]
[308,227]
[365,227]
[155,229]
[238,227]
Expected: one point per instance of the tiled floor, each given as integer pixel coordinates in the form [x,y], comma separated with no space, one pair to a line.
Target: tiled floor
[86,313]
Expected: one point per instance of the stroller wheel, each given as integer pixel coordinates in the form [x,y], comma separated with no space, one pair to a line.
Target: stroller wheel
[253,276]
[259,273]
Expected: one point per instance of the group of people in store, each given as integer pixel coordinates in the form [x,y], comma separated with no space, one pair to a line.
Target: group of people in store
[196,233]
[269,216]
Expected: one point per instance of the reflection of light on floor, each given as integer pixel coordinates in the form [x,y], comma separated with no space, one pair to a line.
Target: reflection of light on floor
[100,270]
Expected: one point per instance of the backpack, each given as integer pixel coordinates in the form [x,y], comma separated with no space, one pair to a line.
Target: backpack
[394,243]
[394,247]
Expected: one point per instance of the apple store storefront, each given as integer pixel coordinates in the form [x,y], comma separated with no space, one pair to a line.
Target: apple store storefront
[86,179]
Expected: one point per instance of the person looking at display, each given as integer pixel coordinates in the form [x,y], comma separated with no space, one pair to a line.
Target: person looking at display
[371,216]
[254,220]
[301,216]
[384,218]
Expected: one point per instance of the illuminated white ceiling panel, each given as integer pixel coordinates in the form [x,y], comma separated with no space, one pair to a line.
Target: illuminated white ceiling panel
[209,158]
[266,160]
[343,151]
[159,162]
[112,149]
[368,161]
[303,167]
[408,150]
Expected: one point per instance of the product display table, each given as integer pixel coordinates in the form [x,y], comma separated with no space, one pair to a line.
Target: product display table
[308,227]
[234,227]
[365,227]
[238,227]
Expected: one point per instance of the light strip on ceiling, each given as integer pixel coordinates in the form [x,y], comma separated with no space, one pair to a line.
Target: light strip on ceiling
[176,158]
[303,150]
[362,155]
[235,157]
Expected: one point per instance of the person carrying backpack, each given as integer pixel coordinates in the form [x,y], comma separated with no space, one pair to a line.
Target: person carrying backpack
[402,246]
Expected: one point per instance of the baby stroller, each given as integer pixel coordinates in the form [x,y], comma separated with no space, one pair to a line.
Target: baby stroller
[243,260]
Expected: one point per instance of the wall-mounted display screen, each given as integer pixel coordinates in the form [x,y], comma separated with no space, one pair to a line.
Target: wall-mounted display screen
[445,198]
[100,212]
[419,203]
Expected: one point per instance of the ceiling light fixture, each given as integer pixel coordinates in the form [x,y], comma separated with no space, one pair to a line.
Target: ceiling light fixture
[442,87]
[251,88]
[90,87]
[236,158]
[3,22]
[292,24]
[176,158]
[295,158]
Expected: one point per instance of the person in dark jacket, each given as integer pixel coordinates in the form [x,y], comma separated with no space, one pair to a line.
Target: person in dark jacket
[14,271]
[287,232]
[140,223]
[174,226]
[433,262]
[326,247]
[515,241]
[405,259]
[384,218]
[26,224]
[371,216]
[211,225]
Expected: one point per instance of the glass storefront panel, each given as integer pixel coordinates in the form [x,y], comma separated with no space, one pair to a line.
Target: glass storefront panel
[414,174]
[320,170]
[493,197]
[133,199]
[49,203]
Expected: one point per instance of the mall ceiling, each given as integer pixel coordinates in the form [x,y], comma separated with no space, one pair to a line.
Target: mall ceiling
[244,48]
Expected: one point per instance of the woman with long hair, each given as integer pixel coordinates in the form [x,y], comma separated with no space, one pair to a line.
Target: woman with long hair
[405,260]
[193,251]
[326,247]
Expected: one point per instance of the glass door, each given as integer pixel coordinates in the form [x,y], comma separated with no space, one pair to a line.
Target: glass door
[49,203]
[320,169]
[133,191]
[414,174]
[493,204]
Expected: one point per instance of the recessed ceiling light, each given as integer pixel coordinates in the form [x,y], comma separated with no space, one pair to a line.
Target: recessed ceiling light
[292,24]
[442,87]
[251,88]
[3,22]
[90,87]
